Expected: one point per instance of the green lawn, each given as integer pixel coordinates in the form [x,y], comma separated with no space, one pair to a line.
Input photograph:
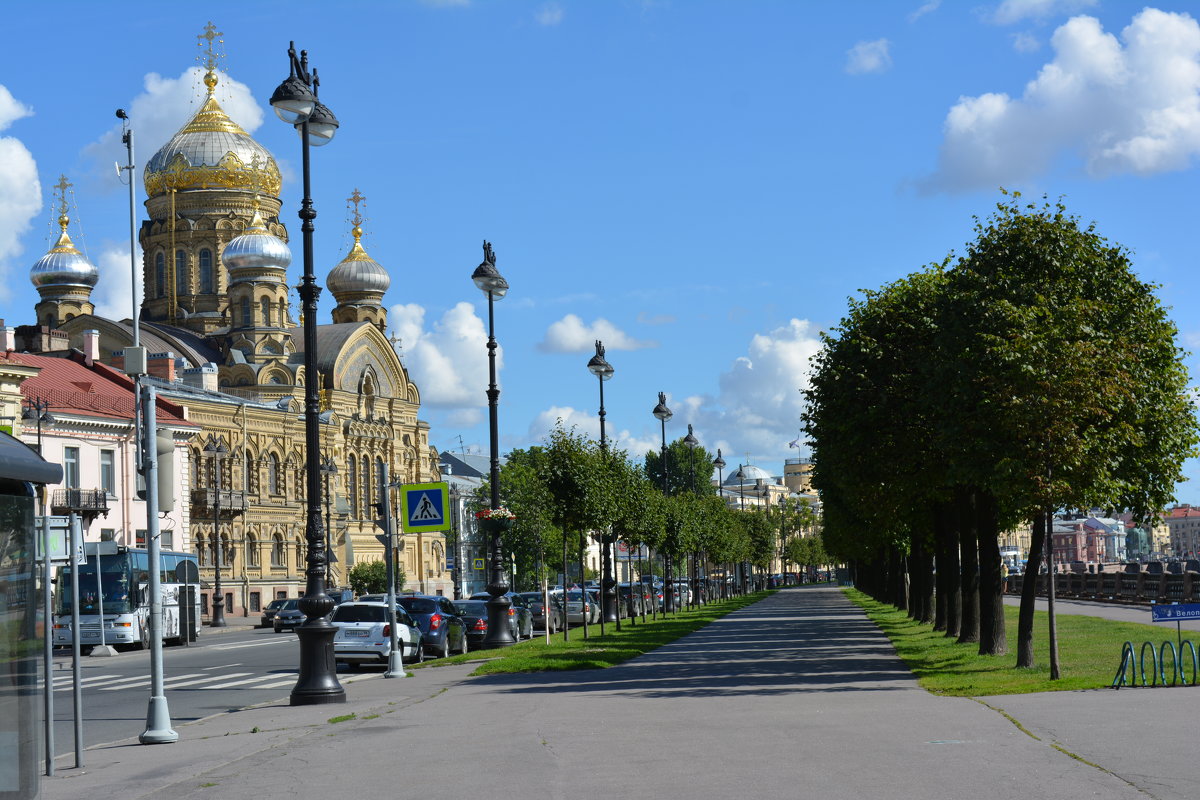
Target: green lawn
[596,652]
[1089,652]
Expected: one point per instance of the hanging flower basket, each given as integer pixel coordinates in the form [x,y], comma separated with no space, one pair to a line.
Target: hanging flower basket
[495,519]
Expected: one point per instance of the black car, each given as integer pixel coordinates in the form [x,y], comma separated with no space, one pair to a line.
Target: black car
[520,615]
[289,616]
[442,631]
[268,614]
[475,614]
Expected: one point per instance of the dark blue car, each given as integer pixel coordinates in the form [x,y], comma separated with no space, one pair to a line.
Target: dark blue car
[442,630]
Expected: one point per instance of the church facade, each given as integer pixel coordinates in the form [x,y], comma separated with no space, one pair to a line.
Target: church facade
[217,320]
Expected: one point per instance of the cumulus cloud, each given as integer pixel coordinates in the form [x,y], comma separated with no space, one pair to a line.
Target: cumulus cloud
[20,189]
[114,293]
[757,410]
[1122,106]
[447,361]
[589,425]
[1012,11]
[868,57]
[162,109]
[549,14]
[927,8]
[571,335]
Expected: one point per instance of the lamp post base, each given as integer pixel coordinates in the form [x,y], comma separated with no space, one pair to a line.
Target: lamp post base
[318,683]
[499,634]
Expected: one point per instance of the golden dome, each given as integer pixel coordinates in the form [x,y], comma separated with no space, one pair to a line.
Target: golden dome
[212,152]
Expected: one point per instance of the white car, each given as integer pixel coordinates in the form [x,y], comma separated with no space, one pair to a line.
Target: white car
[364,635]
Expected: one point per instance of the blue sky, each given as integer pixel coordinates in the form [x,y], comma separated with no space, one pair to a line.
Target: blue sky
[700,184]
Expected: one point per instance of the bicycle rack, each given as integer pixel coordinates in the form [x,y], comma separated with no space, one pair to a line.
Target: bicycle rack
[1158,665]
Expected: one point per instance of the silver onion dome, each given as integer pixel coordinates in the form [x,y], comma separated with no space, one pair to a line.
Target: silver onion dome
[254,252]
[64,265]
[358,273]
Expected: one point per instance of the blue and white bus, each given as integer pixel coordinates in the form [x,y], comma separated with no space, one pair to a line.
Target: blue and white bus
[114,592]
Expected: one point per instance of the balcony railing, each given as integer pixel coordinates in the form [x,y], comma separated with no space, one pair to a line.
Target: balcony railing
[232,502]
[87,502]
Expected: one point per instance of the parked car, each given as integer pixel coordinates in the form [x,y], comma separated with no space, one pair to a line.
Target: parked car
[288,616]
[442,630]
[364,635]
[268,613]
[475,614]
[538,609]
[520,616]
[640,598]
[579,606]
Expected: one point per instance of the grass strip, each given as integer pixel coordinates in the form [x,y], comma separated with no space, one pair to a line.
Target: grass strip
[1089,652]
[597,652]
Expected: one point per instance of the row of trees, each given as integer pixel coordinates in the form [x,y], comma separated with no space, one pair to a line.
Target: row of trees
[570,488]
[1034,373]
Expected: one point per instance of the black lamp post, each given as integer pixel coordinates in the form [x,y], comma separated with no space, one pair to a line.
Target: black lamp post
[662,414]
[216,453]
[719,463]
[492,283]
[600,367]
[328,470]
[741,476]
[37,409]
[295,102]
[691,443]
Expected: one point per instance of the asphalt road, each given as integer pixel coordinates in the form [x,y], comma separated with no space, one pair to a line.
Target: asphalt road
[219,672]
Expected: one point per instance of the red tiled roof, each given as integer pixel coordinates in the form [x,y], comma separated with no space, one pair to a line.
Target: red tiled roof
[71,386]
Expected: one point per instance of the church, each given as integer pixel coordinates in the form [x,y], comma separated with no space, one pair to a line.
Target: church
[223,343]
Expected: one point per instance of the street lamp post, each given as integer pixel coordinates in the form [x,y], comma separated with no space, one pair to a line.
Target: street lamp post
[719,463]
[328,470]
[600,367]
[741,476]
[662,413]
[295,102]
[492,283]
[691,443]
[216,453]
[36,409]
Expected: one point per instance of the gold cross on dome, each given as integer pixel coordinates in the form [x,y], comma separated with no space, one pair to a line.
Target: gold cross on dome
[356,198]
[210,55]
[63,185]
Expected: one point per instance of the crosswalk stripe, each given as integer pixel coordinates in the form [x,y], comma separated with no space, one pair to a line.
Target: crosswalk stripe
[228,684]
[251,644]
[289,682]
[207,679]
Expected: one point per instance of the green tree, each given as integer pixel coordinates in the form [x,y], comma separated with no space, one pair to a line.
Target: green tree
[370,577]
[682,464]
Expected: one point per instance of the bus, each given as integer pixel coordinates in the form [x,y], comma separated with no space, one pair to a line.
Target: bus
[116,580]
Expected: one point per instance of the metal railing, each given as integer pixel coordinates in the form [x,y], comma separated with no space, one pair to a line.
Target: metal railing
[232,501]
[79,501]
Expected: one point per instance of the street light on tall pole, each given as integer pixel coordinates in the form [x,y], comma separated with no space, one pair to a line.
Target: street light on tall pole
[691,443]
[295,102]
[600,367]
[489,281]
[719,463]
[216,452]
[662,413]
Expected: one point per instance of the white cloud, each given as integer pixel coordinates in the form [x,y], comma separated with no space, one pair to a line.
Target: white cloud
[449,361]
[114,292]
[549,14]
[20,189]
[1011,11]
[757,411]
[1122,106]
[589,425]
[1025,43]
[162,109]
[927,8]
[571,335]
[867,57]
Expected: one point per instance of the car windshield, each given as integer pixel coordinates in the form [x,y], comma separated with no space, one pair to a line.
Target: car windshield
[472,608]
[349,613]
[290,604]
[418,605]
[574,596]
[275,605]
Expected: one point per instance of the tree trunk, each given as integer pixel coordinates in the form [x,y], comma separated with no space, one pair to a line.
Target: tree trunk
[1029,593]
[921,565]
[897,576]
[1052,645]
[948,568]
[993,640]
[964,518]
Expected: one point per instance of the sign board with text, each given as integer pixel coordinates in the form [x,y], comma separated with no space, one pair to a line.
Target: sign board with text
[1174,612]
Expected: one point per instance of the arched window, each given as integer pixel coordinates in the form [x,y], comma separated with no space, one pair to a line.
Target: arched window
[273,474]
[264,307]
[246,320]
[160,275]
[278,554]
[206,272]
[251,550]
[352,486]
[181,276]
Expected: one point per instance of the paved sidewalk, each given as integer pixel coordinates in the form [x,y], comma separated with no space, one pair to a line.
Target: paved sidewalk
[796,696]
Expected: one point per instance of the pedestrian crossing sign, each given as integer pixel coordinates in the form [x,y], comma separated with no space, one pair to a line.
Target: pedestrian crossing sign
[424,507]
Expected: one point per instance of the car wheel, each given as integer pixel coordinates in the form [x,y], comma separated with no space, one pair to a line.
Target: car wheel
[444,652]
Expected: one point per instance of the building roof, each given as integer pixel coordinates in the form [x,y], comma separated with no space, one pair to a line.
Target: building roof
[464,465]
[71,386]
